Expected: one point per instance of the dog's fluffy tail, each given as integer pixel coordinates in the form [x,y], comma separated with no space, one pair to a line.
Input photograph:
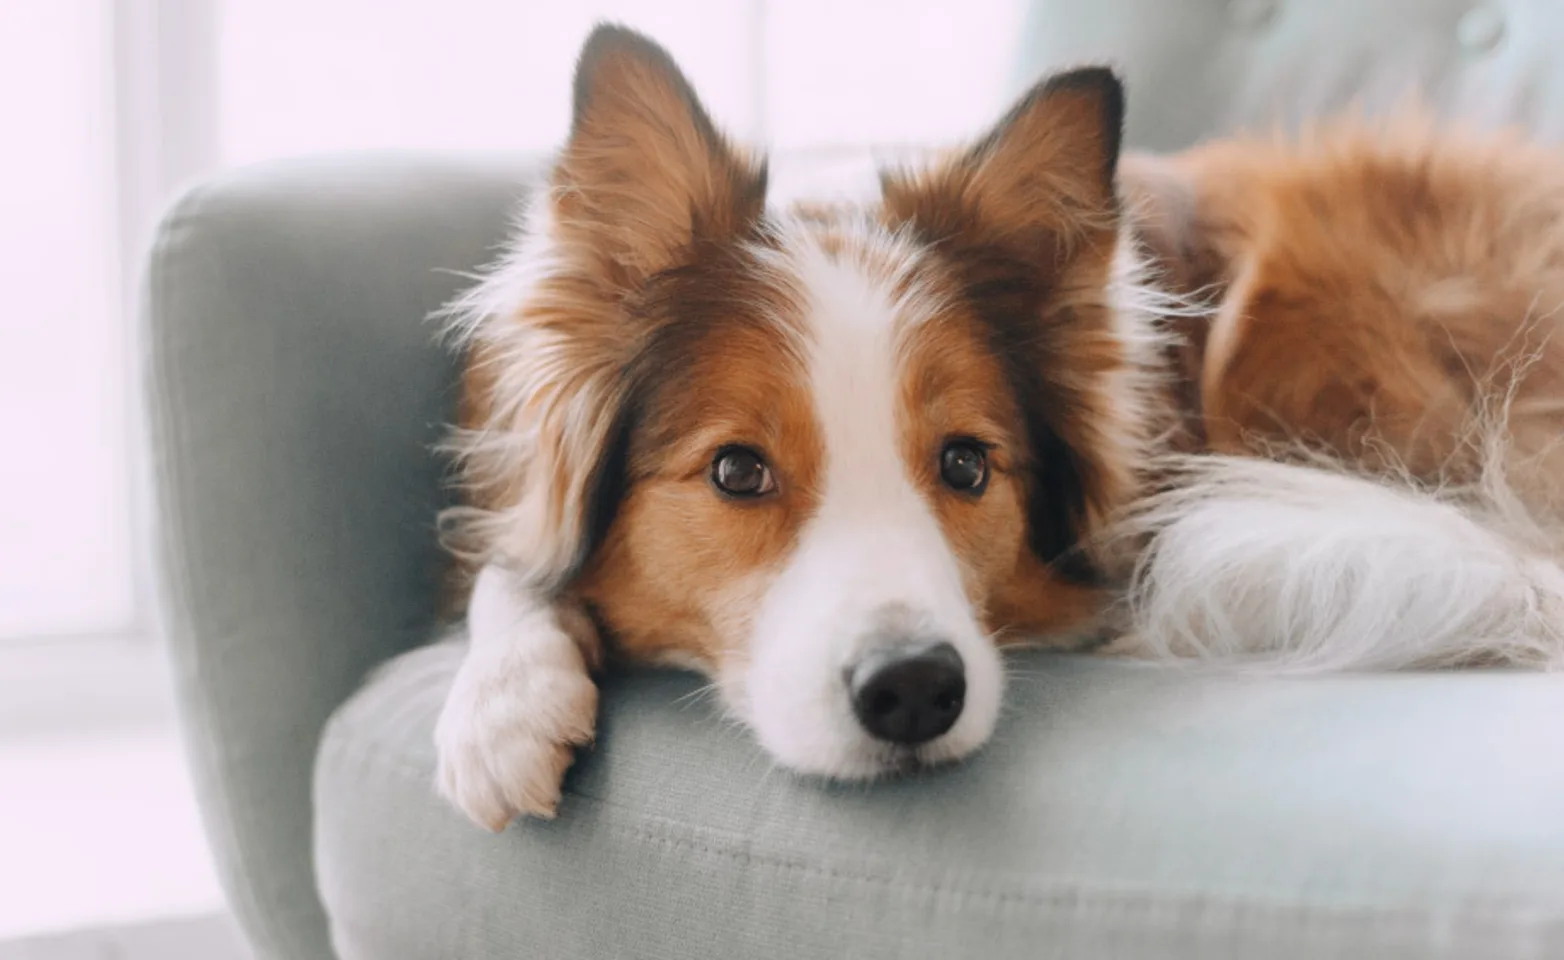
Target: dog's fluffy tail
[1253,562]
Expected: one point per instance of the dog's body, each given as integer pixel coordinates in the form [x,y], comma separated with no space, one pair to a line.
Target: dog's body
[1373,284]
[835,458]
[1385,312]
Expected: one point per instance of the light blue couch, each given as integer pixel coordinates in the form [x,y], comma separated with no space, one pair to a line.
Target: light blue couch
[295,388]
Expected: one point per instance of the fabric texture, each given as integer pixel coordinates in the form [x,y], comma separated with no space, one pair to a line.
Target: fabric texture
[294,390]
[1123,810]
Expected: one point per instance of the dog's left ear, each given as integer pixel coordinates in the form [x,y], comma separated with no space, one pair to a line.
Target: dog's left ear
[1039,182]
[1028,219]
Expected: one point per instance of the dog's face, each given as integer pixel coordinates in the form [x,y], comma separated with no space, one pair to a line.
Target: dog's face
[829,457]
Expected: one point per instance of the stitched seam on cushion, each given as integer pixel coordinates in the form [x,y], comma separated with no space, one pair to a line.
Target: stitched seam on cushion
[1236,920]
[1086,898]
[736,846]
[1071,893]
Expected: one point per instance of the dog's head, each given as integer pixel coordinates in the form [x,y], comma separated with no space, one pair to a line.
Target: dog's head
[831,457]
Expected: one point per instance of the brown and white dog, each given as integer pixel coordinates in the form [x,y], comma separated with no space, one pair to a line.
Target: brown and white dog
[837,457]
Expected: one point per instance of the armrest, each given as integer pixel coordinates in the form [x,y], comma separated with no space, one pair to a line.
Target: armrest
[294,387]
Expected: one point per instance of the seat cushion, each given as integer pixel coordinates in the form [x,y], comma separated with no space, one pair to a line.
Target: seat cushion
[1122,810]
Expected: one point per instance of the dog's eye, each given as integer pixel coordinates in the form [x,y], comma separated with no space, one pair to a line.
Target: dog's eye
[963,465]
[741,472]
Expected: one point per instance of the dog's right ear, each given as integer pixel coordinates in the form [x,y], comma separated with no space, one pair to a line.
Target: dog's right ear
[645,174]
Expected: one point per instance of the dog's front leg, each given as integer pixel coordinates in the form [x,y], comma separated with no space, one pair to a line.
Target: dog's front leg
[523,700]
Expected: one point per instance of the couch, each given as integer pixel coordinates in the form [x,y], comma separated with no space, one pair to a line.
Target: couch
[294,389]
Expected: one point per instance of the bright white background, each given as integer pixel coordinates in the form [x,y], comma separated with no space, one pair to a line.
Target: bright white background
[65,553]
[109,108]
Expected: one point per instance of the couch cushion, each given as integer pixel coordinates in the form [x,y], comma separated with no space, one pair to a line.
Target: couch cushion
[1123,810]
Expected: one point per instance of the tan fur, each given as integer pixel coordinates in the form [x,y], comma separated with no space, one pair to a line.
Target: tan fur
[1042,196]
[1380,290]
[681,570]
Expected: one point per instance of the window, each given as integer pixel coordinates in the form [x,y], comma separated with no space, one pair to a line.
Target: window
[65,529]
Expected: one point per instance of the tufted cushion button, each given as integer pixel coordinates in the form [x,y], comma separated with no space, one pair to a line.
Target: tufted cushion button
[1480,29]
[1252,13]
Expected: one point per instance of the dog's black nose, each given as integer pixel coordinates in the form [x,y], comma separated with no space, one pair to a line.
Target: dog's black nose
[909,695]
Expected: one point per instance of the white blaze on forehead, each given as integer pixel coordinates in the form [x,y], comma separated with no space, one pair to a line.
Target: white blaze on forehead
[863,300]
[862,303]
[862,296]
[874,545]
[854,329]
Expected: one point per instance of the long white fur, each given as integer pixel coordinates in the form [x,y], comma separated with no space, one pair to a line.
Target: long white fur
[528,359]
[1294,568]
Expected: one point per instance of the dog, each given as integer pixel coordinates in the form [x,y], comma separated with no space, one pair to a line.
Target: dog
[837,457]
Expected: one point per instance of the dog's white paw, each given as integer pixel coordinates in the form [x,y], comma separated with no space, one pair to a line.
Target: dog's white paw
[509,731]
